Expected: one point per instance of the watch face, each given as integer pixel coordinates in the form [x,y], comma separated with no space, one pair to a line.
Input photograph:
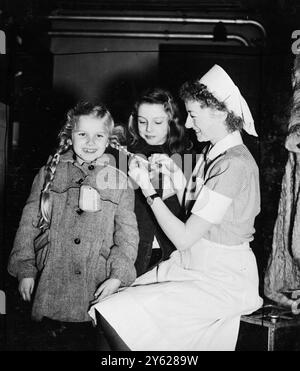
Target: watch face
[149,200]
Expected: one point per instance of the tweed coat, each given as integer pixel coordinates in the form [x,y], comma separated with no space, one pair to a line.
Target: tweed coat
[85,247]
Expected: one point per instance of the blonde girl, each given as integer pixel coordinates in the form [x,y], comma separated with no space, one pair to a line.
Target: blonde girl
[77,239]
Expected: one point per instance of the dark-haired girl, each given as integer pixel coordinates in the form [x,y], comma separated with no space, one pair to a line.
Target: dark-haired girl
[155,128]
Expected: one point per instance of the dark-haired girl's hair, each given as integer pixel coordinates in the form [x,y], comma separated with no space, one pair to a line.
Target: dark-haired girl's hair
[176,140]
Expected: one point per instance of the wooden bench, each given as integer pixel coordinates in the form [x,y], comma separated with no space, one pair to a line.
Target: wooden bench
[271,328]
[2,302]
[2,320]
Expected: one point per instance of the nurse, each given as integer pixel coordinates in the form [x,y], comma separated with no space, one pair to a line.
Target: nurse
[193,301]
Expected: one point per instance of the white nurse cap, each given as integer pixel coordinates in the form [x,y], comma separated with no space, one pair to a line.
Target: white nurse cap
[223,88]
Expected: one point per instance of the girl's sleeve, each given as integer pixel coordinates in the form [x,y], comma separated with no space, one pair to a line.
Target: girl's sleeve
[126,238]
[21,263]
[224,183]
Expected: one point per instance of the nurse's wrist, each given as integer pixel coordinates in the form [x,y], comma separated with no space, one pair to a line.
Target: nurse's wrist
[149,190]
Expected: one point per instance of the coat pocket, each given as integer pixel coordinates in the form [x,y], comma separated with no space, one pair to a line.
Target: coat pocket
[41,249]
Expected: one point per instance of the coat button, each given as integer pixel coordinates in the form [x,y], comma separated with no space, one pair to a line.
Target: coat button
[77,241]
[91,167]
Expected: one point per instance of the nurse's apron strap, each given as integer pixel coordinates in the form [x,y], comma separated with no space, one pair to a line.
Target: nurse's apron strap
[188,195]
[201,173]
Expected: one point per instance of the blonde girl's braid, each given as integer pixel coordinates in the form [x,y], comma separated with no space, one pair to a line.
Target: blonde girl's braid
[64,144]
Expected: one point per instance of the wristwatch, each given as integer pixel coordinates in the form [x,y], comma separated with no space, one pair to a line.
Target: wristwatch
[150,199]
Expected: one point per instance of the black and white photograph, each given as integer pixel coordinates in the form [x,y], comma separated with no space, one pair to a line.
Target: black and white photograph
[149,178]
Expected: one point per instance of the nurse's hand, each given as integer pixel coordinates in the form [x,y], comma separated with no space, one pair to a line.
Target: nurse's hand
[169,168]
[108,287]
[138,171]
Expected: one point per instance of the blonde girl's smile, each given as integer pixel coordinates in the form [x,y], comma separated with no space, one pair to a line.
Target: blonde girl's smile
[89,139]
[87,150]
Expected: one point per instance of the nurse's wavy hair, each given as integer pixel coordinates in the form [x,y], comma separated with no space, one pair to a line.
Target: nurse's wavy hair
[193,90]
[65,143]
[176,139]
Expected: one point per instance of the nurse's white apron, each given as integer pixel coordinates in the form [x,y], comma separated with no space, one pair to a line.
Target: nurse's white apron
[191,302]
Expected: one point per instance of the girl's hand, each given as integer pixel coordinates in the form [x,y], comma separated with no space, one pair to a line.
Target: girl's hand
[169,168]
[138,171]
[108,287]
[26,286]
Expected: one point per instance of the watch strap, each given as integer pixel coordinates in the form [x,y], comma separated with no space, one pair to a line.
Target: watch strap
[154,195]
